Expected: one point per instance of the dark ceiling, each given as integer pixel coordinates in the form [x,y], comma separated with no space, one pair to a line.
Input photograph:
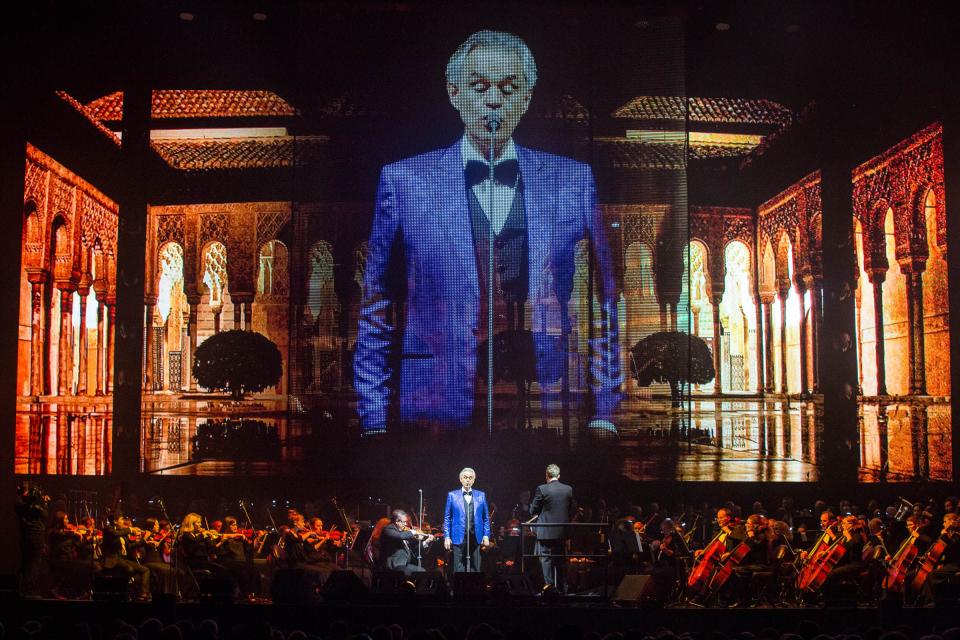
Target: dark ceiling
[606,52]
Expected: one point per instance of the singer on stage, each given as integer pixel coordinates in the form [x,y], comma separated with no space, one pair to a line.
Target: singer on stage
[466,523]
[429,250]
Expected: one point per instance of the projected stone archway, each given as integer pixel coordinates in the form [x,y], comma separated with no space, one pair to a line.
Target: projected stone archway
[936,303]
[67,255]
[738,318]
[167,366]
[767,294]
[696,289]
[271,303]
[321,312]
[790,224]
[901,221]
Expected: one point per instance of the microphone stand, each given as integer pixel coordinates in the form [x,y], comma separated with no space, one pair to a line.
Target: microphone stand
[176,555]
[469,505]
[420,540]
[494,124]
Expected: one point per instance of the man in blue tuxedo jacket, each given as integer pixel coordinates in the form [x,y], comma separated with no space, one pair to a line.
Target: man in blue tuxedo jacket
[429,250]
[466,523]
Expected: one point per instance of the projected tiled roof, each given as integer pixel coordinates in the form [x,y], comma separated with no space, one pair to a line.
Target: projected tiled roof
[198,103]
[239,153]
[73,102]
[713,110]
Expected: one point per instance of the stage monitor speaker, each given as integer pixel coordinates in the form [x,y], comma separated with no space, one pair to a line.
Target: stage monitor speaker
[111,588]
[390,583]
[9,587]
[946,595]
[469,585]
[513,586]
[431,585]
[343,585]
[840,595]
[295,586]
[634,588]
[215,589]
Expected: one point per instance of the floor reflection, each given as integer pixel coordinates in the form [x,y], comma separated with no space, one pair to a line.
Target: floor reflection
[905,442]
[714,440]
[74,439]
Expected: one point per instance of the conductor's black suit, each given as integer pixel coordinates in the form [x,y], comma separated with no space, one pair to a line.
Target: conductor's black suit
[553,502]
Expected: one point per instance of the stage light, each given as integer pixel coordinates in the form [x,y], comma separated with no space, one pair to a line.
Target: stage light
[259,16]
[186,16]
[722,26]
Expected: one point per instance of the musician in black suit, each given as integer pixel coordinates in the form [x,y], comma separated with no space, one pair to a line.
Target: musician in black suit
[397,542]
[553,502]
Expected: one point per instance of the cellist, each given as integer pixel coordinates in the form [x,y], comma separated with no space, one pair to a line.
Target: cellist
[947,563]
[850,564]
[751,556]
[726,540]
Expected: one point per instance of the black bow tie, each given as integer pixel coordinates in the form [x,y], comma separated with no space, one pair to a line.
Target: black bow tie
[505,172]
[467,493]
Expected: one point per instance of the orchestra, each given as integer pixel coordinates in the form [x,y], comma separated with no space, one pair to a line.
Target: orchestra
[717,558]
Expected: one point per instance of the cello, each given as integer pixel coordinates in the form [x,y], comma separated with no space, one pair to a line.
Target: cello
[699,577]
[735,558]
[902,560]
[819,573]
[817,551]
[933,557]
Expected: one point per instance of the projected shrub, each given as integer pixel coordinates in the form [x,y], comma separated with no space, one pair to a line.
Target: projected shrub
[237,361]
[674,357]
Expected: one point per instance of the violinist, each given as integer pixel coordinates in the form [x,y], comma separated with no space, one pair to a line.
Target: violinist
[234,553]
[152,557]
[71,575]
[293,539]
[946,563]
[194,543]
[116,531]
[668,553]
[396,544]
[88,549]
[314,541]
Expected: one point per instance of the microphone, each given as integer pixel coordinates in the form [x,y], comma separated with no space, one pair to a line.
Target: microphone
[494,120]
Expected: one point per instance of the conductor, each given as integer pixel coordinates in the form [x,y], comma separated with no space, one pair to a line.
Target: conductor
[552,503]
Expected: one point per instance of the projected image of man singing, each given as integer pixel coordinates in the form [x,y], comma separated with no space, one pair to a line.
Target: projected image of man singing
[429,250]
